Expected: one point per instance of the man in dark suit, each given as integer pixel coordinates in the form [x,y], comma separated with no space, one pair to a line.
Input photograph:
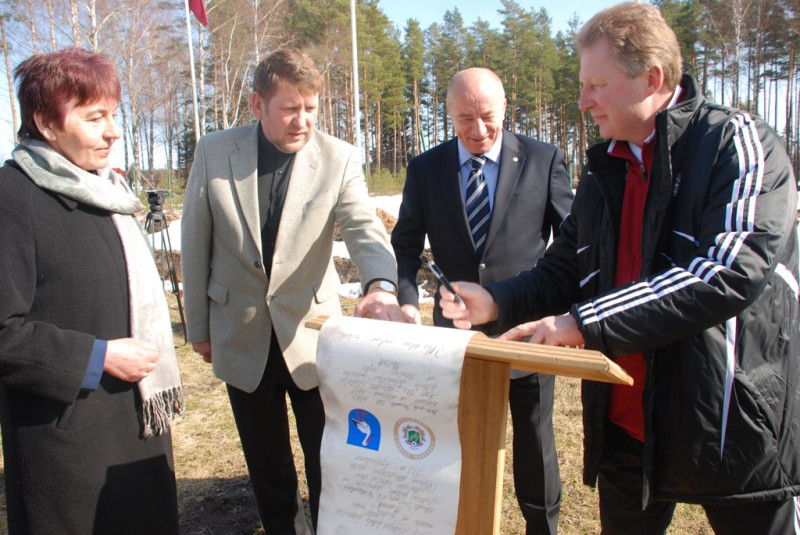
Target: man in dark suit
[488,201]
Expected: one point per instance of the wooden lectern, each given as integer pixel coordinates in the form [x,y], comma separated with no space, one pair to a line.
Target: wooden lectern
[483,412]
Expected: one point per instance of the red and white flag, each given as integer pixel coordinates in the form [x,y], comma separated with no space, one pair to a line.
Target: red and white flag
[199,9]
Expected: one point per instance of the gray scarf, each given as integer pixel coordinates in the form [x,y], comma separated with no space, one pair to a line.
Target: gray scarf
[160,391]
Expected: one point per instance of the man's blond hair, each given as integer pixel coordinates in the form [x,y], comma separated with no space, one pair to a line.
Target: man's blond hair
[289,66]
[639,37]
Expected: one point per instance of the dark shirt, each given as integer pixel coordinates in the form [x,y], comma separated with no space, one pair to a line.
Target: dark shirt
[274,168]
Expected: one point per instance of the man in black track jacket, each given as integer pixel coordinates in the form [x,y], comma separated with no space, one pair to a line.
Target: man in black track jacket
[680,261]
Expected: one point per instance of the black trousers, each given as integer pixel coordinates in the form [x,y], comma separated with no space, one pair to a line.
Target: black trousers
[537,480]
[263,425]
[620,488]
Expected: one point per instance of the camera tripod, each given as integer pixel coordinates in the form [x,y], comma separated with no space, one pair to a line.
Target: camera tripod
[156,225]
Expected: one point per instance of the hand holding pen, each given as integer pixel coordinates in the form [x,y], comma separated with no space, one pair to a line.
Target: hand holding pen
[466,303]
[440,276]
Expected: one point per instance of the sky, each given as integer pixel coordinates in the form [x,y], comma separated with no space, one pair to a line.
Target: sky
[429,11]
[399,11]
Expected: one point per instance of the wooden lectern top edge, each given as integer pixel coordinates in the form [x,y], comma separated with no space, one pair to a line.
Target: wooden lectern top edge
[553,360]
[316,323]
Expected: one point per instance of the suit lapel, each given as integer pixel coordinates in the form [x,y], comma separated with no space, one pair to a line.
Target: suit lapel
[301,183]
[512,161]
[301,190]
[244,172]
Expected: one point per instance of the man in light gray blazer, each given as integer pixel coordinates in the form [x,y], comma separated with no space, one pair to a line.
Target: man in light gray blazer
[259,214]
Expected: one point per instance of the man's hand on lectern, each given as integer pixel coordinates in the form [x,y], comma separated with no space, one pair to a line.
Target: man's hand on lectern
[551,331]
[411,314]
[381,305]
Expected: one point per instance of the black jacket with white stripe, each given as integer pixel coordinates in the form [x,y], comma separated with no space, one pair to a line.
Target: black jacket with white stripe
[715,311]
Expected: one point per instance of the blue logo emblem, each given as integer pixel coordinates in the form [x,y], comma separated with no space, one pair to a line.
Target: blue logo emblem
[364,430]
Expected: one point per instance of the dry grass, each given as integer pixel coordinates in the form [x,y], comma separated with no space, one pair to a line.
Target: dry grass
[215,497]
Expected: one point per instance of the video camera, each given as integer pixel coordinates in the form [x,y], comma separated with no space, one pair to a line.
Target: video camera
[156,198]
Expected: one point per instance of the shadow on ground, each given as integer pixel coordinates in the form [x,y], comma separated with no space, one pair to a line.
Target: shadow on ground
[218,507]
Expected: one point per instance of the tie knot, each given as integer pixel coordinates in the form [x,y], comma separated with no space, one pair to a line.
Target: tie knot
[478,162]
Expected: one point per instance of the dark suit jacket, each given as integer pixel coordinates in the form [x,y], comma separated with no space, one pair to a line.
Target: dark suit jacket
[532,198]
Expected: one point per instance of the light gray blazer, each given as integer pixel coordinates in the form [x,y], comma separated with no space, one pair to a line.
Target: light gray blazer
[228,298]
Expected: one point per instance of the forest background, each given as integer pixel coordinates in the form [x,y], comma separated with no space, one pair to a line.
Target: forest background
[742,52]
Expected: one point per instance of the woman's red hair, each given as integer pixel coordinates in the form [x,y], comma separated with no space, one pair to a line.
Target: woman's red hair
[48,82]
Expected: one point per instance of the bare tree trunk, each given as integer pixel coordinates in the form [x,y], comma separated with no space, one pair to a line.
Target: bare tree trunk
[378,135]
[446,121]
[93,25]
[10,79]
[141,137]
[538,111]
[755,83]
[348,112]
[404,155]
[776,70]
[151,143]
[512,123]
[395,142]
[216,86]
[435,110]
[51,20]
[32,27]
[201,95]
[704,85]
[366,133]
[329,100]
[796,125]
[76,25]
[790,90]
[169,131]
[224,99]
[256,51]
[796,129]
[417,130]
[737,50]
[125,144]
[134,129]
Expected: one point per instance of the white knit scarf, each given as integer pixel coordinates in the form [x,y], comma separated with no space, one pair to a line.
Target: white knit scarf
[160,391]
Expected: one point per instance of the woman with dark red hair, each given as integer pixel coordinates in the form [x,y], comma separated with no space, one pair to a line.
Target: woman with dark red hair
[88,378]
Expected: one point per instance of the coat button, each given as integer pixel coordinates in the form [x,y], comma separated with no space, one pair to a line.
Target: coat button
[257,263]
[481,267]
[269,299]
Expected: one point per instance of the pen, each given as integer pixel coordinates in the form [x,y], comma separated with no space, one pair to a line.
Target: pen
[437,272]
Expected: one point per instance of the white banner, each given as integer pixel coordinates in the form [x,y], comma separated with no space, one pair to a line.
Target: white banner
[391,457]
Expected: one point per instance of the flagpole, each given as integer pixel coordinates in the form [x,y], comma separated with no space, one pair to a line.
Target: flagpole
[191,71]
[356,107]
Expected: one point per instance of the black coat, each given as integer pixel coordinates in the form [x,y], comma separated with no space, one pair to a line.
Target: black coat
[533,197]
[74,460]
[715,313]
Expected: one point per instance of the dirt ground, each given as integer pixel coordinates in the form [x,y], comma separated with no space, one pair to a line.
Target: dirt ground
[347,269]
[229,507]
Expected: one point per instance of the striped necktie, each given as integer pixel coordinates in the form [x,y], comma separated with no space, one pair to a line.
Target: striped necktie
[477,204]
